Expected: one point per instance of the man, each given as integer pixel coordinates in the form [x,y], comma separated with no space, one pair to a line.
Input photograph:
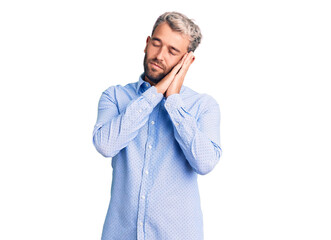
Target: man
[160,135]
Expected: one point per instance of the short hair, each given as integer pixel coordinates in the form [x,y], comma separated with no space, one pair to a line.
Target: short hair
[180,23]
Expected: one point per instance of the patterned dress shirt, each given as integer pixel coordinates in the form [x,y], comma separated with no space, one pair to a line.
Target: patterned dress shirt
[158,147]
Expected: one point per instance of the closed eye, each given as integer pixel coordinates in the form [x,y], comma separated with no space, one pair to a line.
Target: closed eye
[173,53]
[156,42]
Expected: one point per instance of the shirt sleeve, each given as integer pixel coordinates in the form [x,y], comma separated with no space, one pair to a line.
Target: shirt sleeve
[199,138]
[113,130]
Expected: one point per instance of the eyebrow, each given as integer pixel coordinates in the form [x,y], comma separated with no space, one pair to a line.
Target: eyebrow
[159,40]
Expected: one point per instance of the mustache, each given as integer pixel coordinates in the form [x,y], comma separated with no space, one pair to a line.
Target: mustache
[157,62]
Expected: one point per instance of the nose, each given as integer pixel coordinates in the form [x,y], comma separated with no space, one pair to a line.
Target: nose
[160,54]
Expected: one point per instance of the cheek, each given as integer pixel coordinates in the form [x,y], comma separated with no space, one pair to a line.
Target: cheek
[173,62]
[149,52]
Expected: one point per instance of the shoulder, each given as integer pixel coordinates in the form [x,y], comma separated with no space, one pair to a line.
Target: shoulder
[118,92]
[120,88]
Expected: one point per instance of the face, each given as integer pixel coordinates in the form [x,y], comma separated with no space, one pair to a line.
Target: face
[163,51]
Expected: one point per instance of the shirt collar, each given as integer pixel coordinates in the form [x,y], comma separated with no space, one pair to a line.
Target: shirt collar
[141,82]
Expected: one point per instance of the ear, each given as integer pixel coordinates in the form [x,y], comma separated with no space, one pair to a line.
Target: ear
[147,41]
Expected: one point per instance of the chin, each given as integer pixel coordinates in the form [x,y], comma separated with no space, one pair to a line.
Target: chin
[153,76]
[154,79]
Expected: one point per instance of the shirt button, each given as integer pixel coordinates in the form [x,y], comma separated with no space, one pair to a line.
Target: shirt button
[140,110]
[150,146]
[141,223]
[152,122]
[146,172]
[167,105]
[146,84]
[176,123]
[143,197]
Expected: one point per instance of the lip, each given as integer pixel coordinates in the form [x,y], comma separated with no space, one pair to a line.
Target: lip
[154,64]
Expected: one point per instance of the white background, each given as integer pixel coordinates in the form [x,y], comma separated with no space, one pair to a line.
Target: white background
[267,63]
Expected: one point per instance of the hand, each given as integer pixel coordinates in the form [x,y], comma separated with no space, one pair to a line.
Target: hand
[178,79]
[164,84]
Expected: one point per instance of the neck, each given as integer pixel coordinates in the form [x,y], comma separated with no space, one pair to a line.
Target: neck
[147,80]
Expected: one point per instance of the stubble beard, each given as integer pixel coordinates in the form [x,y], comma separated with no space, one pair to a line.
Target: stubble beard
[148,72]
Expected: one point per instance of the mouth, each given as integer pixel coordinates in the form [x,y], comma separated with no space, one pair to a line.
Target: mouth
[155,65]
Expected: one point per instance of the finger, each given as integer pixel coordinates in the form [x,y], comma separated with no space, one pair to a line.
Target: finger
[184,58]
[179,65]
[172,74]
[187,62]
[183,70]
[182,61]
[190,58]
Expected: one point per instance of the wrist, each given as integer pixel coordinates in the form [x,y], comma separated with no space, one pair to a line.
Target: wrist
[160,88]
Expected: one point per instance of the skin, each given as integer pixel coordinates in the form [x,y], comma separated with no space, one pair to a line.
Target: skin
[167,60]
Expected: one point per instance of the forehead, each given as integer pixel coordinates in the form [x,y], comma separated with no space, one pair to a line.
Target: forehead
[170,37]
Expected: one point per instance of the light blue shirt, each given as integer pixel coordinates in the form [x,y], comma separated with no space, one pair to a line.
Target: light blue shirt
[158,147]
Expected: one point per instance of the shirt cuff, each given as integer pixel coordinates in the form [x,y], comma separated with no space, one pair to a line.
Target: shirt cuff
[175,107]
[173,102]
[152,96]
[182,120]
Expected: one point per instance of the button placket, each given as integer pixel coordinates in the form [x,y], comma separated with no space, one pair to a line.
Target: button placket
[145,182]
